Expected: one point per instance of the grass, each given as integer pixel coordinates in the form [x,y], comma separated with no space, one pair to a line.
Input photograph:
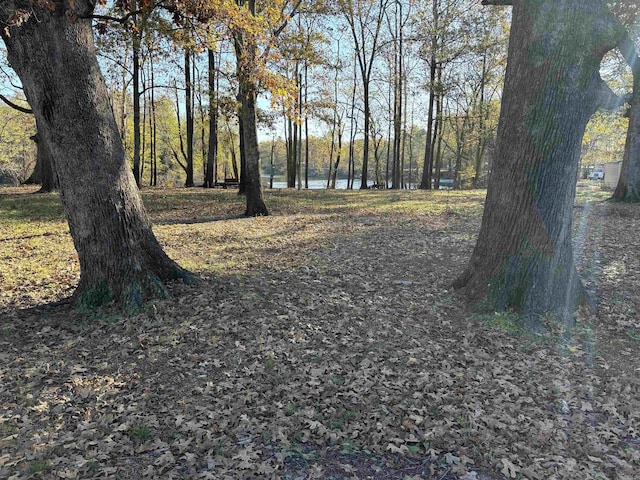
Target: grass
[299,353]
[141,433]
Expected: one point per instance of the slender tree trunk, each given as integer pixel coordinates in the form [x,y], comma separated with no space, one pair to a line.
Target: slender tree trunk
[212,151]
[143,132]
[153,177]
[271,158]
[243,156]
[389,157]
[523,259]
[232,151]
[427,168]
[332,149]
[437,138]
[120,259]
[299,131]
[352,131]
[480,145]
[136,103]
[123,105]
[291,154]
[188,102]
[364,181]
[306,127]
[338,156]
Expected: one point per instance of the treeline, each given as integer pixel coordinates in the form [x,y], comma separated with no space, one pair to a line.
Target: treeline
[398,94]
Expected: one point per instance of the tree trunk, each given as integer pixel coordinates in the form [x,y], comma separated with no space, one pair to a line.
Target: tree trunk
[43,173]
[338,156]
[367,125]
[120,259]
[480,146]
[136,106]
[427,168]
[523,259]
[212,151]
[153,176]
[306,126]
[298,130]
[188,100]
[291,154]
[628,188]
[253,186]
[246,53]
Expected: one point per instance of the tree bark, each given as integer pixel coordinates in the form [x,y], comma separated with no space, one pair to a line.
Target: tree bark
[188,101]
[427,168]
[628,188]
[136,100]
[120,258]
[523,259]
[212,152]
[246,55]
[43,172]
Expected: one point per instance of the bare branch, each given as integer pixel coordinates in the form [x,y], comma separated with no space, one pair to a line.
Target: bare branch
[15,106]
[294,10]
[497,2]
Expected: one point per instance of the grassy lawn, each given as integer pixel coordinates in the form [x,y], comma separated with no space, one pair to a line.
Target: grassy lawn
[323,342]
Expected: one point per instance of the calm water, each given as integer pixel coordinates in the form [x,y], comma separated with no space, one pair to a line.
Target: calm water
[315,183]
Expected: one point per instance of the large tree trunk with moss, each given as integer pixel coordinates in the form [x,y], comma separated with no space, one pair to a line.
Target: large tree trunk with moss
[54,56]
[523,259]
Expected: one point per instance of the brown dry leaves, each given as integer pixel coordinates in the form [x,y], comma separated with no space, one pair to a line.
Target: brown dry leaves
[325,343]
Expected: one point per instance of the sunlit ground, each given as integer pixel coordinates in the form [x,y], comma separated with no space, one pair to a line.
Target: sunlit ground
[323,341]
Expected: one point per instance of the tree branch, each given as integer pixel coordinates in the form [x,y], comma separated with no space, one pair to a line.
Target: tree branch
[497,2]
[294,10]
[14,106]
[124,18]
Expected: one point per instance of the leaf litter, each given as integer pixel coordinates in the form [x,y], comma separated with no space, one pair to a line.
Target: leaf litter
[324,342]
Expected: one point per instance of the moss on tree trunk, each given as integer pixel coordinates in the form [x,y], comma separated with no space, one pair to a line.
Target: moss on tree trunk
[523,259]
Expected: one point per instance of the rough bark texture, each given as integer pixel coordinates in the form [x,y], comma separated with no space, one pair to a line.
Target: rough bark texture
[120,259]
[246,53]
[523,259]
[253,184]
[212,152]
[628,188]
[188,101]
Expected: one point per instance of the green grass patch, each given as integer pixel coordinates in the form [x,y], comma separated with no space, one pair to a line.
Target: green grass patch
[140,433]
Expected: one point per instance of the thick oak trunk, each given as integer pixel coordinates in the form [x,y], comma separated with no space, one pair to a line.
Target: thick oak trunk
[120,259]
[523,259]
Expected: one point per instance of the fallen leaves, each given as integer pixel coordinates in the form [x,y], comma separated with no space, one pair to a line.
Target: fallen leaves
[300,356]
